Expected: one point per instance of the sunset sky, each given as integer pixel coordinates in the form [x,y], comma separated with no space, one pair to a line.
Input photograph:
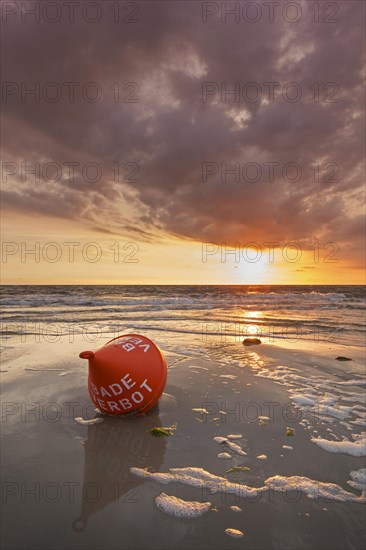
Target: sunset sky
[154,173]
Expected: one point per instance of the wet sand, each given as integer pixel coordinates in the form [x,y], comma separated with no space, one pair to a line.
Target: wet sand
[70,486]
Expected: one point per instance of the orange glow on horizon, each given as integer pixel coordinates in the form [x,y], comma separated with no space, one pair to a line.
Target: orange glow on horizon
[126,260]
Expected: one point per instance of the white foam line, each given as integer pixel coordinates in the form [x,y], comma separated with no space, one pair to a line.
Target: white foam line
[322,398]
[84,422]
[353,448]
[312,489]
[177,507]
[358,479]
[200,478]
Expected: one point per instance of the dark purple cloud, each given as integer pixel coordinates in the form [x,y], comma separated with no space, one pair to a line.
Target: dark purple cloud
[170,132]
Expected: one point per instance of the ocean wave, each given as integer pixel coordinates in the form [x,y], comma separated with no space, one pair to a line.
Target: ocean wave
[201,334]
[326,310]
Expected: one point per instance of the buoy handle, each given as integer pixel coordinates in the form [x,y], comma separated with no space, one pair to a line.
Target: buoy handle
[87,354]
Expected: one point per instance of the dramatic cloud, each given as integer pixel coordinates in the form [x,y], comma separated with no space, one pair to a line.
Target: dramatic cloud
[173,133]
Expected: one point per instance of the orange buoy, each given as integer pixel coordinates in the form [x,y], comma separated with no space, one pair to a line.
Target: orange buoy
[127,375]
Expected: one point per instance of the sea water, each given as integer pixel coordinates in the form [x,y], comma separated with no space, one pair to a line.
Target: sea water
[199,315]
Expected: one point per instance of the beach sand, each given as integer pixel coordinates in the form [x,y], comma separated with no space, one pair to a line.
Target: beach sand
[70,486]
